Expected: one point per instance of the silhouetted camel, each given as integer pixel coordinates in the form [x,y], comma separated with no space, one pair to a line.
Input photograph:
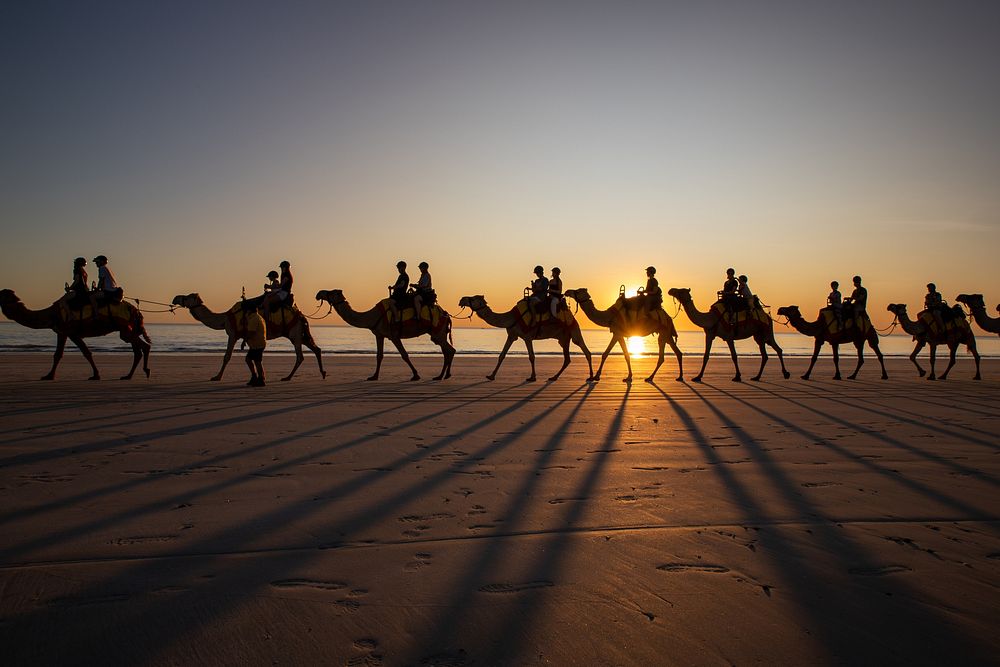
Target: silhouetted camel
[516,328]
[977,305]
[377,321]
[624,323]
[961,334]
[716,326]
[850,333]
[59,318]
[294,327]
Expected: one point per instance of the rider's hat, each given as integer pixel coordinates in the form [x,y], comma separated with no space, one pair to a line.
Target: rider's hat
[651,269]
[100,258]
[272,274]
[79,261]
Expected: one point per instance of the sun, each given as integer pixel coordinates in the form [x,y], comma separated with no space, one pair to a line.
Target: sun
[636,345]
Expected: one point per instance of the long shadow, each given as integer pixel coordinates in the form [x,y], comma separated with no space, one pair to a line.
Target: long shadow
[160,636]
[889,440]
[833,625]
[522,617]
[895,414]
[493,549]
[187,496]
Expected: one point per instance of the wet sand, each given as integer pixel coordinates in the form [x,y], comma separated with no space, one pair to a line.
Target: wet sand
[180,521]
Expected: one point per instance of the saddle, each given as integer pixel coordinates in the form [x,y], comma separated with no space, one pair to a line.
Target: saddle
[255,302]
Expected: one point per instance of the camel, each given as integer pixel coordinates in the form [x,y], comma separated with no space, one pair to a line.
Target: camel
[962,334]
[377,321]
[716,326]
[129,327]
[231,321]
[847,334]
[977,305]
[516,328]
[623,325]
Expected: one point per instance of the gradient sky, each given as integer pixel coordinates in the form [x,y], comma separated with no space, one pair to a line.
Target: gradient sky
[199,143]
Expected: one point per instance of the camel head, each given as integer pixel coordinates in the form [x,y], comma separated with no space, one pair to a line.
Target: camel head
[972,300]
[331,296]
[579,294]
[192,300]
[682,294]
[7,296]
[789,312]
[897,309]
[476,302]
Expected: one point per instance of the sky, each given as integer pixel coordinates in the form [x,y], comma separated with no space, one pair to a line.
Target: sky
[197,144]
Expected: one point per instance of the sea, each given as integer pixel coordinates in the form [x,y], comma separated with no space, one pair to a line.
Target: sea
[195,338]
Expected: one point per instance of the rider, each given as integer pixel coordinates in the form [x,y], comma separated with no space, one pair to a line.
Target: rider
[730,293]
[835,303]
[397,291]
[934,303]
[555,290]
[859,300]
[282,291]
[539,288]
[422,289]
[745,292]
[108,290]
[652,295]
[78,292]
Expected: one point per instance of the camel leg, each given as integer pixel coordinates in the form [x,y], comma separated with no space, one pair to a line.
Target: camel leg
[56,356]
[952,349]
[913,357]
[226,357]
[299,358]
[680,358]
[449,354]
[577,338]
[704,362]
[975,355]
[565,348]
[311,344]
[659,361]
[736,362]
[873,344]
[379,355]
[836,360]
[398,342]
[604,357]
[763,360]
[781,356]
[628,358]
[933,356]
[531,358]
[812,362]
[87,355]
[503,353]
[136,358]
[146,348]
[860,346]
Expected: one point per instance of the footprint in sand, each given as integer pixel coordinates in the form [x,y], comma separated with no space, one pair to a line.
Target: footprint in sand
[370,658]
[309,583]
[692,567]
[878,571]
[514,588]
[419,561]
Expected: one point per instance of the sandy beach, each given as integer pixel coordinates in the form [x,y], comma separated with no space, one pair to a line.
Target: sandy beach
[179,521]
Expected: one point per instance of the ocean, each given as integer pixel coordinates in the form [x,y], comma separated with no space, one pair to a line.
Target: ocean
[196,338]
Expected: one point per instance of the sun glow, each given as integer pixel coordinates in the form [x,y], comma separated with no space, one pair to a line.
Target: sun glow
[636,345]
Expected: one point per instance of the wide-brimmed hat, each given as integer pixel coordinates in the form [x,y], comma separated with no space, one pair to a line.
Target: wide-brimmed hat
[272,274]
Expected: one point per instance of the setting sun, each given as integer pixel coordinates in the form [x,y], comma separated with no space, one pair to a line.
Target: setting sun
[636,345]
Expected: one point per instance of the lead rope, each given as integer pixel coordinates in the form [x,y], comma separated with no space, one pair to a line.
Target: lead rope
[170,308]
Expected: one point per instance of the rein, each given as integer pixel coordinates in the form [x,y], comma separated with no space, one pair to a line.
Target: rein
[170,308]
[890,328]
[319,308]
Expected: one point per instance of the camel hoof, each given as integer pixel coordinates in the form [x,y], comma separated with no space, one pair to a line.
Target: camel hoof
[977,378]
[679,378]
[590,380]
[217,378]
[553,378]
[649,379]
[885,376]
[531,379]
[371,379]
[755,379]
[837,377]
[447,375]
[286,379]
[491,378]
[125,377]
[696,379]
[921,372]
[786,374]
[94,377]
[737,379]
[323,374]
[627,380]
[803,377]
[414,378]
[931,377]
[146,371]
[47,377]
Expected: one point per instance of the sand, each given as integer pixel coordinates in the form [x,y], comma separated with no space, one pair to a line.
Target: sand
[180,521]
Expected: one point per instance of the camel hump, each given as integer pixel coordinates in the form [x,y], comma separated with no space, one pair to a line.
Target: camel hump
[122,313]
[540,314]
